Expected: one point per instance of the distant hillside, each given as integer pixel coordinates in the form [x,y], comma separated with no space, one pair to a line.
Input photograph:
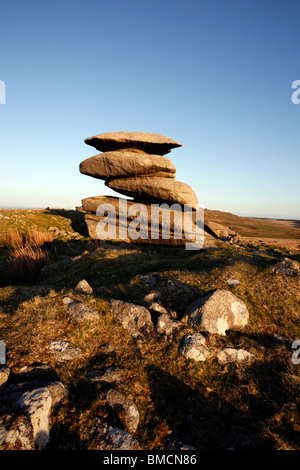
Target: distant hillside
[256,227]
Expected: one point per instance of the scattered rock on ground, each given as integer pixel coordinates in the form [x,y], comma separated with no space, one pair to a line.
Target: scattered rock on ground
[234,355]
[79,311]
[83,286]
[171,286]
[156,308]
[102,436]
[166,326]
[125,409]
[107,376]
[134,318]
[194,347]
[149,278]
[37,371]
[287,267]
[152,297]
[108,348]
[38,404]
[218,311]
[122,440]
[16,432]
[64,350]
[218,230]
[233,282]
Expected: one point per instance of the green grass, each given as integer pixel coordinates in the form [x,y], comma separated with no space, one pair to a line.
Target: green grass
[209,404]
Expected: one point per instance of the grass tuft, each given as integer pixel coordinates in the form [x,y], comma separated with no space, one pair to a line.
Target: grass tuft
[26,262]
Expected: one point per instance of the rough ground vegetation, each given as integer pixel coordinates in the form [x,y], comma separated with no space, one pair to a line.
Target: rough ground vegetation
[204,405]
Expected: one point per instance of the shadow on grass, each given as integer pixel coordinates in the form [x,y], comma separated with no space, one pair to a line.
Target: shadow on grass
[213,423]
[76,217]
[113,269]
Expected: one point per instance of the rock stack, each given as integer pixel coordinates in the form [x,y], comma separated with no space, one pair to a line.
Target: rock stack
[133,164]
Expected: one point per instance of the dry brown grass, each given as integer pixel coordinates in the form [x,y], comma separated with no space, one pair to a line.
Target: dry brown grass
[37,238]
[209,404]
[26,256]
[16,239]
[25,263]
[12,239]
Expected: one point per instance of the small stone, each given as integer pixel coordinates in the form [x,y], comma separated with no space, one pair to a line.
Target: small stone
[166,326]
[218,230]
[233,282]
[16,432]
[106,376]
[102,436]
[134,318]
[279,338]
[64,350]
[152,297]
[108,348]
[149,279]
[234,355]
[122,440]
[194,347]
[156,308]
[124,406]
[171,286]
[286,267]
[83,286]
[79,311]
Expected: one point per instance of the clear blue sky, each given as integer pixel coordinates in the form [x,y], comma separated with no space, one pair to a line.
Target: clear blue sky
[214,75]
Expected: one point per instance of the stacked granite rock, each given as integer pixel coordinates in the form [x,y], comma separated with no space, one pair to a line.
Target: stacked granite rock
[133,164]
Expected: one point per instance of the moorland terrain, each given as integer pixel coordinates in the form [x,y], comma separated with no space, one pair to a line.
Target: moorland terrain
[181,402]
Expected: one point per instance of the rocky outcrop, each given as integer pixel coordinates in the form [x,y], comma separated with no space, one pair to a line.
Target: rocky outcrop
[155,226]
[132,164]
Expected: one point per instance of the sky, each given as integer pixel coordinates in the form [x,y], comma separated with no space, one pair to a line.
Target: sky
[214,75]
